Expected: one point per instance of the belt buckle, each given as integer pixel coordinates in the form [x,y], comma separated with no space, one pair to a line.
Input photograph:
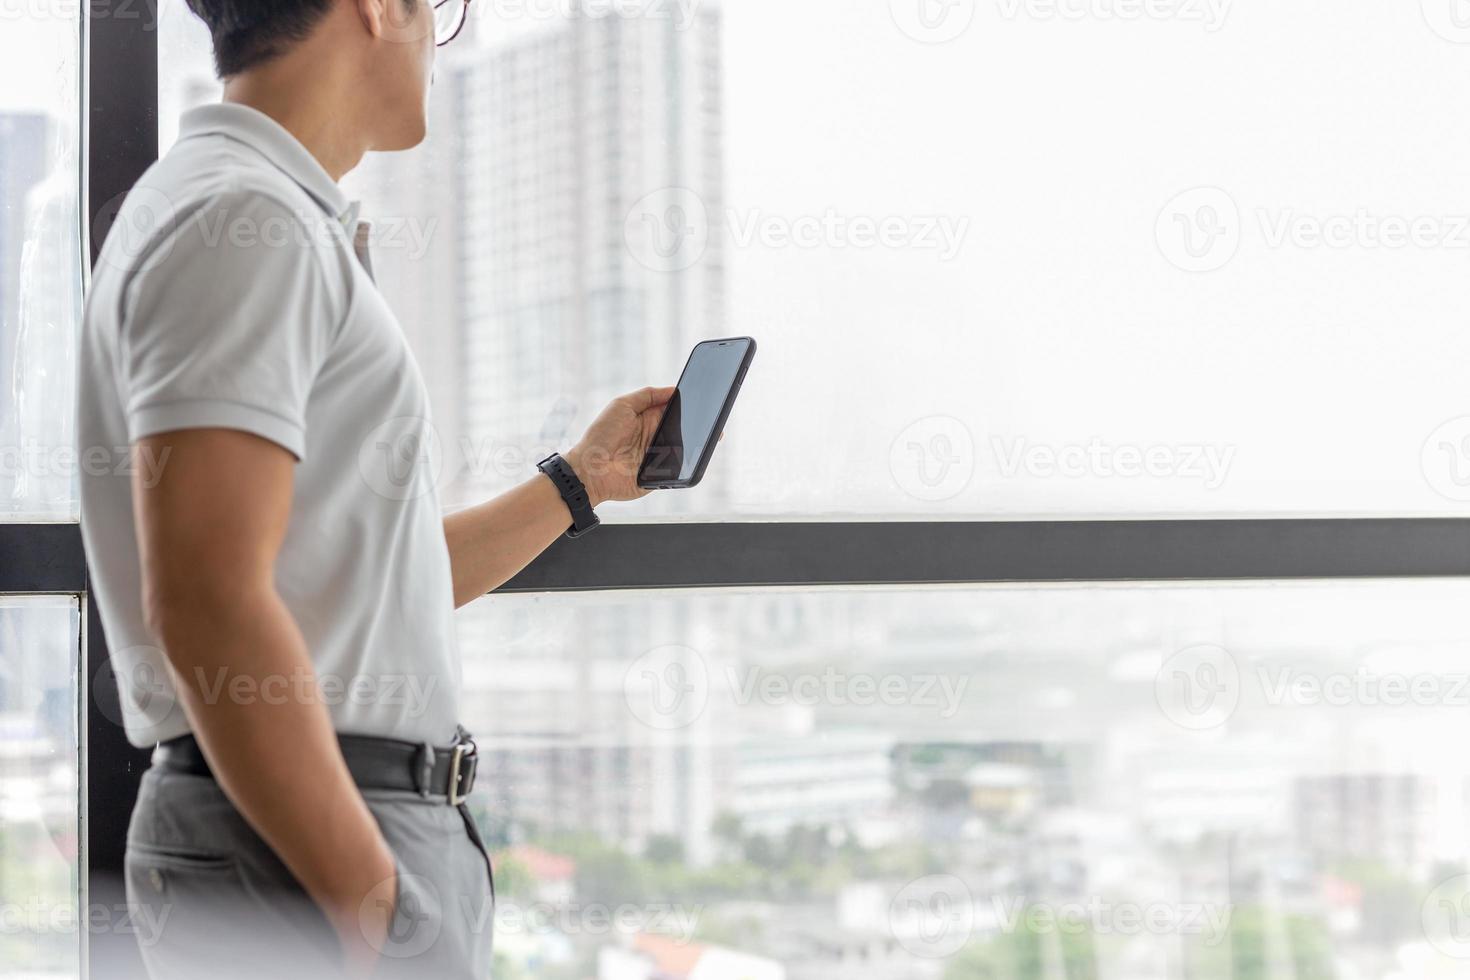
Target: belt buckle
[462,750]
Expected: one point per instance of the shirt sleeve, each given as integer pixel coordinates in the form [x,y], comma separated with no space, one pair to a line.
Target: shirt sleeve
[228,322]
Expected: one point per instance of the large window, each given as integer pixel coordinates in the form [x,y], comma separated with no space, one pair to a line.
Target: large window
[1079,259]
[40,259]
[1251,781]
[41,918]
[1020,258]
[40,644]
[1023,259]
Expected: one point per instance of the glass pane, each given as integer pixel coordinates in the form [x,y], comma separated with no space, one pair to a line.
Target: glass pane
[40,260]
[185,69]
[39,802]
[1211,781]
[1002,259]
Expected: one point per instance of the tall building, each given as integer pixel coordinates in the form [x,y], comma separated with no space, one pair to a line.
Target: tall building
[564,140]
[835,779]
[40,305]
[1389,818]
[574,742]
[566,137]
[23,139]
[45,338]
[503,246]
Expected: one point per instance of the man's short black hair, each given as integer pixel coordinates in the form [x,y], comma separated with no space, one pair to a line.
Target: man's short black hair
[248,33]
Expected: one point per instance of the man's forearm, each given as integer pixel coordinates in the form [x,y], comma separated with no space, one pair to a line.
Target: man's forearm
[491,542]
[250,693]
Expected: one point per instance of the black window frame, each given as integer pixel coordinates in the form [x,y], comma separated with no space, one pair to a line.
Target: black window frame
[119,69]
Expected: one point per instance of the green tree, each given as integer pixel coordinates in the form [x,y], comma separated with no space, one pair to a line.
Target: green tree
[512,879]
[664,849]
[1246,952]
[1024,955]
[1390,900]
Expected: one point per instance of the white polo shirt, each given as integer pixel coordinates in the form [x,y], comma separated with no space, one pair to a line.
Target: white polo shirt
[234,292]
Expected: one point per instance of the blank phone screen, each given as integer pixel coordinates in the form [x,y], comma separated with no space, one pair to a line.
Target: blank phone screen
[689,422]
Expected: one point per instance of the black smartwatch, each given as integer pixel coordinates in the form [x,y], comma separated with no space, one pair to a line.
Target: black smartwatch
[584,518]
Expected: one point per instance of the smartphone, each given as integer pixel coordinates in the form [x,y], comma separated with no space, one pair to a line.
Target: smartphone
[694,418]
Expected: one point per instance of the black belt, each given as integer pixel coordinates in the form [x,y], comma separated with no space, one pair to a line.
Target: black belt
[375,763]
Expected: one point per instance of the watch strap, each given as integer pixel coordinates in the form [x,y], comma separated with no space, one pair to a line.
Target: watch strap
[573,493]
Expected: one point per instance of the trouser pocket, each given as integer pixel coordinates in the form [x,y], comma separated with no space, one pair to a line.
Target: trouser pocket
[204,913]
[187,908]
[443,923]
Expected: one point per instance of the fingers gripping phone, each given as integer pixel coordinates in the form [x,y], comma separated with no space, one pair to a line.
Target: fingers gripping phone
[694,418]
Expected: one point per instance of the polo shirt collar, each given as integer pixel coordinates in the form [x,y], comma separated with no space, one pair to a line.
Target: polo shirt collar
[271,140]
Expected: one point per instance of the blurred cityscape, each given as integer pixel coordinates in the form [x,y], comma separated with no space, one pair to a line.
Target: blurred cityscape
[40,637]
[40,306]
[40,642]
[963,785]
[939,785]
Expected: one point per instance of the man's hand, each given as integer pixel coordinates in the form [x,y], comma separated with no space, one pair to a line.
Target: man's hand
[490,543]
[609,456]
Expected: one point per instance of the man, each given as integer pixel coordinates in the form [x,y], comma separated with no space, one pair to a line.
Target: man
[254,565]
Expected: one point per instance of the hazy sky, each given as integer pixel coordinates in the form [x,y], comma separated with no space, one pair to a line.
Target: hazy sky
[1038,326]
[1067,320]
[38,61]
[1061,320]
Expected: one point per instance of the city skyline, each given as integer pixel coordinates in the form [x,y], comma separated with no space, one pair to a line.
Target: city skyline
[885,783]
[565,742]
[802,148]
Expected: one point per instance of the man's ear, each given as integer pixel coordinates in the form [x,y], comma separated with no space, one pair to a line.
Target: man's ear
[389,20]
[372,13]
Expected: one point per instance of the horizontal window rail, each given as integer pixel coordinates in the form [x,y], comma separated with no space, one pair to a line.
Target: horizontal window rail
[47,558]
[41,559]
[673,556]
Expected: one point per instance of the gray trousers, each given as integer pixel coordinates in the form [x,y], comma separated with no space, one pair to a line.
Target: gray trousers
[209,898]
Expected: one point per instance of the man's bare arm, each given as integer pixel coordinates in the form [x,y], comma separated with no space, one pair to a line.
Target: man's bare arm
[490,543]
[209,531]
